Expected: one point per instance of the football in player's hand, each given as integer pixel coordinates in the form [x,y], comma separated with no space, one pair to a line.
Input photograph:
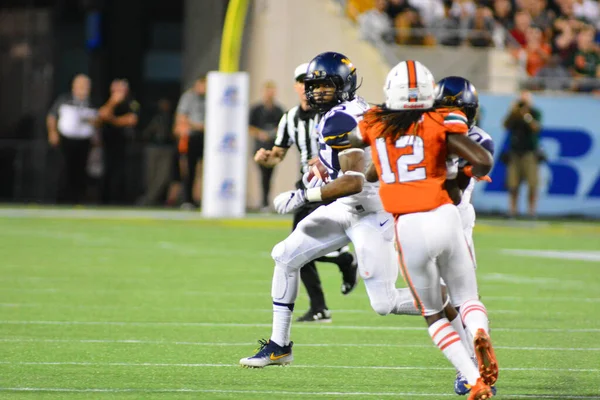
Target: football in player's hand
[318,170]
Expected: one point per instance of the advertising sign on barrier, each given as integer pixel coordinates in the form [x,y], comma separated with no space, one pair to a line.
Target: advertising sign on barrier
[570,138]
[226,145]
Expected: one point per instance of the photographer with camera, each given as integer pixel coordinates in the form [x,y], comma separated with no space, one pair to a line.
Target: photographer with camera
[523,156]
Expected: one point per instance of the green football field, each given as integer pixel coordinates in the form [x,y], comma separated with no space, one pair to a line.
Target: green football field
[108,305]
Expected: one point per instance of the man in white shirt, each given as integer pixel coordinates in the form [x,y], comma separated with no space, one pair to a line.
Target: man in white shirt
[376,25]
[71,126]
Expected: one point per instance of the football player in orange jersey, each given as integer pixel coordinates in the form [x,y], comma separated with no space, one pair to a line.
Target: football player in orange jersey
[410,142]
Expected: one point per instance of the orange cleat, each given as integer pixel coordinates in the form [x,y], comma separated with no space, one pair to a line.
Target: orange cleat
[480,391]
[486,358]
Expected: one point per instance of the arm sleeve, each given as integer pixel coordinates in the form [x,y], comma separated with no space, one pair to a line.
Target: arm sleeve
[56,105]
[456,123]
[488,144]
[183,107]
[283,138]
[337,130]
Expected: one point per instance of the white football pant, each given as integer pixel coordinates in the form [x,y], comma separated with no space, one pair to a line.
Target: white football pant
[432,245]
[333,226]
[467,218]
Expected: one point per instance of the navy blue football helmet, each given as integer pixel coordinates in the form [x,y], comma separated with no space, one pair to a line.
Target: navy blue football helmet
[334,69]
[454,91]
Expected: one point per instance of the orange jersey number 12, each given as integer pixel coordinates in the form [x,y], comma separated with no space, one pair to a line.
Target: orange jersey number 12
[410,149]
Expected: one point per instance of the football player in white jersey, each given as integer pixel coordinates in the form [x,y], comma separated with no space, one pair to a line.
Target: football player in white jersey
[457,92]
[357,215]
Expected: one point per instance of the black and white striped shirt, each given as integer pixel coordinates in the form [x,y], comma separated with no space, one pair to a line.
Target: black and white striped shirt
[298,127]
[74,117]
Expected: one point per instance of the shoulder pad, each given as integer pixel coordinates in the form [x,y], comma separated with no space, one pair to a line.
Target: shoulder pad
[482,137]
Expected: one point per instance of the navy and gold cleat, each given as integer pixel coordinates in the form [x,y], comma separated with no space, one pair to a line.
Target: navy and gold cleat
[269,353]
[461,385]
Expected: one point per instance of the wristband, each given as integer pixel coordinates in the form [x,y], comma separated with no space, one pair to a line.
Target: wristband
[313,194]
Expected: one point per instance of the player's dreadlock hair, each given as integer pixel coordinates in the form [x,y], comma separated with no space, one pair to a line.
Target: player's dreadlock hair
[397,122]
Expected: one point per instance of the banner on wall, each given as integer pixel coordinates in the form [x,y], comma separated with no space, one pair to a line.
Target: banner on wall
[225,145]
[570,137]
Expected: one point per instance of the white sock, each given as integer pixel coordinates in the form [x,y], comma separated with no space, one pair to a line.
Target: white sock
[284,292]
[448,341]
[404,303]
[458,326]
[282,323]
[474,316]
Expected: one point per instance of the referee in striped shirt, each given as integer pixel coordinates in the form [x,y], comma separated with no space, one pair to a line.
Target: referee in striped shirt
[297,126]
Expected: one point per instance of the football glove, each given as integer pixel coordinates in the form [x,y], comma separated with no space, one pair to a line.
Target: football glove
[314,182]
[290,201]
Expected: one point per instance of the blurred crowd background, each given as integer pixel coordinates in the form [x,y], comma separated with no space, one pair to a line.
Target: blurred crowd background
[102,101]
[555,42]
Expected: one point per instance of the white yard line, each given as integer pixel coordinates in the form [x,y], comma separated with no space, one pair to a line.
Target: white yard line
[296,326]
[266,294]
[535,281]
[283,392]
[593,256]
[201,365]
[197,310]
[243,344]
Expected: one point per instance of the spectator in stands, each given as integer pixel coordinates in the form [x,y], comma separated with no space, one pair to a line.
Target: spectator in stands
[503,21]
[564,43]
[587,10]
[431,11]
[523,124]
[70,124]
[264,119]
[586,62]
[376,25]
[410,29]
[447,30]
[567,9]
[463,9]
[397,7]
[537,51]
[159,153]
[553,76]
[567,13]
[541,16]
[189,128]
[120,118]
[503,13]
[355,8]
[481,27]
[519,31]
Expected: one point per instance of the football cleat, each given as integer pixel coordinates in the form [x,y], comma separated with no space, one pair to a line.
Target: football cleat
[481,391]
[269,353]
[486,358]
[316,316]
[461,385]
[349,275]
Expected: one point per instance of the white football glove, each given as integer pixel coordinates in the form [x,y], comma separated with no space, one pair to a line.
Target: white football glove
[289,201]
[314,182]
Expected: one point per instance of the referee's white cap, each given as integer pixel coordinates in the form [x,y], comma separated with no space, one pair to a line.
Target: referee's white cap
[300,70]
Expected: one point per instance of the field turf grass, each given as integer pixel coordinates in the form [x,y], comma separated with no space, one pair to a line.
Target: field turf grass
[129,307]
